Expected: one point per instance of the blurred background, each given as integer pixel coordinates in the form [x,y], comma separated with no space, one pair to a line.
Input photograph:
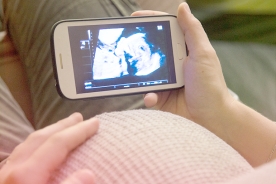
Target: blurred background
[238,20]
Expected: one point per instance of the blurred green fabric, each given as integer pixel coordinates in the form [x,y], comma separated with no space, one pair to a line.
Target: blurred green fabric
[237,20]
[237,6]
[242,28]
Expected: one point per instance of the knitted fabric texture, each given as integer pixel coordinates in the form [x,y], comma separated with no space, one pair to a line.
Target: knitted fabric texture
[153,147]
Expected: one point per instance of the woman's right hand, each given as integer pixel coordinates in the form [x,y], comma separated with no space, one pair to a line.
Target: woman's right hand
[205,96]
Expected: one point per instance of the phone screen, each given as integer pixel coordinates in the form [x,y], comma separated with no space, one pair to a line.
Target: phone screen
[130,55]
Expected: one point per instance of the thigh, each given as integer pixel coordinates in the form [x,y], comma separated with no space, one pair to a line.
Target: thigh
[29,23]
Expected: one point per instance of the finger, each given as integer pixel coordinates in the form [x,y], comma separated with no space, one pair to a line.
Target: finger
[55,150]
[36,139]
[195,36]
[147,13]
[72,120]
[150,99]
[80,177]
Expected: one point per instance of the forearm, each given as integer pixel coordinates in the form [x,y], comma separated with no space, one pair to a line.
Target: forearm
[250,133]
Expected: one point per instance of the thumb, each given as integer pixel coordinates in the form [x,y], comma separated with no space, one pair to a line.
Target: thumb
[195,36]
[80,177]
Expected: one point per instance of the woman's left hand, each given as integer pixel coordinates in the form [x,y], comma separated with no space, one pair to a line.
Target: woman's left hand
[35,160]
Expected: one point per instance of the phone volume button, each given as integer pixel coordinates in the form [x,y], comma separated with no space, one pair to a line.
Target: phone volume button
[60,61]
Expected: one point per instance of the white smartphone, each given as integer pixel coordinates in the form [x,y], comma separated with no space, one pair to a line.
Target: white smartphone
[95,58]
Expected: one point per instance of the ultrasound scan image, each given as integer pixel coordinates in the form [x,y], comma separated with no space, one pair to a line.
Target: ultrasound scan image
[121,52]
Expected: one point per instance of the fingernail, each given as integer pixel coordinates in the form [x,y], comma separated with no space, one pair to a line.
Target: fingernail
[187,8]
[93,121]
[75,114]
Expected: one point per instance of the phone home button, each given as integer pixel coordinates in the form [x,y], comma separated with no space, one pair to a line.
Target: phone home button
[179,51]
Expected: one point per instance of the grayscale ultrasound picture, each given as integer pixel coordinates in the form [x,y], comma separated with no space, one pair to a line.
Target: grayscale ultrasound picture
[115,57]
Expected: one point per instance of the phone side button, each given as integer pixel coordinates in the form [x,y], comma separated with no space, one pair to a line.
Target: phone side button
[61,62]
[179,51]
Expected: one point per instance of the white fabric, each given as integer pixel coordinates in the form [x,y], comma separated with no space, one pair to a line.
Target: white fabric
[153,147]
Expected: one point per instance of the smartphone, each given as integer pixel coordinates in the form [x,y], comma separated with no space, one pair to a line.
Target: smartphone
[94,58]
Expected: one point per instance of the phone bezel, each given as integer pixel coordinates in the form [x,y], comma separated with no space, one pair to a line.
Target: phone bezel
[60,46]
